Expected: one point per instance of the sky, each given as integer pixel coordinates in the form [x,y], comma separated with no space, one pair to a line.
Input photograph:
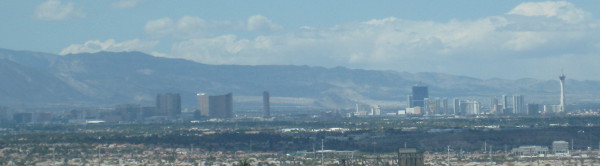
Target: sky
[485,39]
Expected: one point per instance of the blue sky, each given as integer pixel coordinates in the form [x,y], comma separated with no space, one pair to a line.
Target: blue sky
[485,39]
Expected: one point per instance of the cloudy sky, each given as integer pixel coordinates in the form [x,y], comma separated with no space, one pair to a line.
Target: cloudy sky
[484,39]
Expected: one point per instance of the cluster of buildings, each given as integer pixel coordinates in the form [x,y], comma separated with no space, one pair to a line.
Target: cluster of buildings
[420,104]
[221,106]
[167,108]
[559,148]
[375,111]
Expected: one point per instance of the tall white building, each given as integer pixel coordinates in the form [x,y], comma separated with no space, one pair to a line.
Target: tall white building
[375,110]
[504,104]
[456,107]
[470,107]
[437,106]
[562,78]
[444,106]
[519,104]
[494,107]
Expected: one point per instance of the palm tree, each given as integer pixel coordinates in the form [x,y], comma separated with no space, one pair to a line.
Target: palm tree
[244,162]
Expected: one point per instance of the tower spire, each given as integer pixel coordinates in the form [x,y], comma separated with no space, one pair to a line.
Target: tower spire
[562,78]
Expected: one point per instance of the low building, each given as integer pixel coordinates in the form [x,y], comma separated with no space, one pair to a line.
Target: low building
[530,151]
[21,118]
[410,157]
[560,147]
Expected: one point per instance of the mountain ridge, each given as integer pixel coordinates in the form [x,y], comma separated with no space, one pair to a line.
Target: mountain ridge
[108,78]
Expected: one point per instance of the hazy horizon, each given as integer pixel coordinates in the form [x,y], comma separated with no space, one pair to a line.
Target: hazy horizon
[327,67]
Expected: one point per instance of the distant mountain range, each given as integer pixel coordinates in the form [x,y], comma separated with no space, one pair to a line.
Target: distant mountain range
[108,78]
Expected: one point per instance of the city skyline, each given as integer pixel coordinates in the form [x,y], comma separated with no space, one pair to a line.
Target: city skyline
[389,35]
[391,82]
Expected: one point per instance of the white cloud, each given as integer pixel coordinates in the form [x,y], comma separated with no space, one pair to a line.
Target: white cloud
[94,46]
[218,50]
[261,23]
[557,9]
[381,21]
[382,43]
[123,4]
[160,27]
[189,27]
[527,39]
[53,10]
[184,28]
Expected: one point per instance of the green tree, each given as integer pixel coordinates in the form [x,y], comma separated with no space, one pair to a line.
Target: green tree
[244,162]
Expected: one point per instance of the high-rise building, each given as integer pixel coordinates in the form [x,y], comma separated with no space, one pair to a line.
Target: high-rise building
[496,109]
[409,101]
[4,115]
[266,104]
[470,107]
[129,112]
[168,104]
[219,106]
[444,106]
[148,112]
[431,105]
[419,93]
[437,106]
[518,104]
[375,110]
[456,107]
[533,109]
[504,104]
[562,78]
[494,101]
[42,117]
[494,105]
